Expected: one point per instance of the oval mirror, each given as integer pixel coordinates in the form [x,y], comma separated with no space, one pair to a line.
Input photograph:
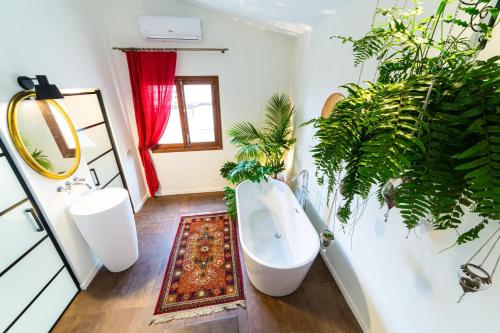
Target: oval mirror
[330,103]
[44,135]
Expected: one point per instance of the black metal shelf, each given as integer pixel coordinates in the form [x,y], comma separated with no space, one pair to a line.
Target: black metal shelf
[90,126]
[34,204]
[14,206]
[15,262]
[98,157]
[106,122]
[34,299]
[114,177]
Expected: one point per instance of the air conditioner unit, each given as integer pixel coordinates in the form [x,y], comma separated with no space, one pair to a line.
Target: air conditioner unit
[170,28]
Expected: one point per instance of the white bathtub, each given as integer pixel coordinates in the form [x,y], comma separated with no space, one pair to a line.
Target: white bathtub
[278,240]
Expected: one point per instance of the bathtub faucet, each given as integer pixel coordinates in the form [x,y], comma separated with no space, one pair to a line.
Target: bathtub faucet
[303,193]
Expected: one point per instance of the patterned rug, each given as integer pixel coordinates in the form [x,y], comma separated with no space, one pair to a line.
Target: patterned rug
[203,274]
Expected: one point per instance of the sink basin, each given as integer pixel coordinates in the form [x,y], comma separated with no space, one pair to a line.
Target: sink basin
[106,221]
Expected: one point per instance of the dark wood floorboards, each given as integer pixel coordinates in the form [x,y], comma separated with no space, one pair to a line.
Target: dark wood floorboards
[124,302]
[226,325]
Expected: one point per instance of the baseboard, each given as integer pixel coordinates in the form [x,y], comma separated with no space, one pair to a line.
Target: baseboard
[90,276]
[345,293]
[138,208]
[191,191]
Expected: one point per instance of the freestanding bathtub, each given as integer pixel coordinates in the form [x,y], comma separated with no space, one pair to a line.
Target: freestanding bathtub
[278,240]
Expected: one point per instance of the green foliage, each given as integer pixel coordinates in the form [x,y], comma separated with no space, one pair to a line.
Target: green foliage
[367,46]
[431,119]
[38,155]
[230,201]
[261,152]
[42,159]
[236,172]
[472,233]
[270,144]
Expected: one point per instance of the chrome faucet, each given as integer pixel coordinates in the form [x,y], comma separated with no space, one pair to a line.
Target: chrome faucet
[76,181]
[303,193]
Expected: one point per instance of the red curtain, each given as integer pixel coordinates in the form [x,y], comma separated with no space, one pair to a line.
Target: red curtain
[152,76]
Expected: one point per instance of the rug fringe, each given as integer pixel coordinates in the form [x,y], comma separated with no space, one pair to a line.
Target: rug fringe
[205,311]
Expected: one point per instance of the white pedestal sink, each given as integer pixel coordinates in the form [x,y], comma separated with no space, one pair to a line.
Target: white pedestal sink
[106,221]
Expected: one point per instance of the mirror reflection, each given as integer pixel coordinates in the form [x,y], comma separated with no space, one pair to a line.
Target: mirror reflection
[45,136]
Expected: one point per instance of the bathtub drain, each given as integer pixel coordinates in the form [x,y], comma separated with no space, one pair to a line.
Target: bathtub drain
[277,235]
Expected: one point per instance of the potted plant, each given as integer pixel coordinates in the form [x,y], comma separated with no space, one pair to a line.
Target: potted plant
[260,152]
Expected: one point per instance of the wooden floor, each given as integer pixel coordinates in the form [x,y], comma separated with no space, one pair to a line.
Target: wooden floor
[124,302]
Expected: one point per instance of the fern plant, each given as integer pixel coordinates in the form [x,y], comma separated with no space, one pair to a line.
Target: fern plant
[260,152]
[430,119]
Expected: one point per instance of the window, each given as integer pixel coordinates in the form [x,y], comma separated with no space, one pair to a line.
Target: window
[194,122]
[59,129]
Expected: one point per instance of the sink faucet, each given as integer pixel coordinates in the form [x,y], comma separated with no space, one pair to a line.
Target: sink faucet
[69,185]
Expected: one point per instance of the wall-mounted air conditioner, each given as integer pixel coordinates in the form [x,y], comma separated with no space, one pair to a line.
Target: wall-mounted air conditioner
[170,28]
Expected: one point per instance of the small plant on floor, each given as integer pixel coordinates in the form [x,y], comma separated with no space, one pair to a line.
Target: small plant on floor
[260,152]
[430,119]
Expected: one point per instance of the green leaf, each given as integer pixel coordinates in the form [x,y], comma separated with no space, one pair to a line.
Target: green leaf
[470,10]
[473,164]
[472,233]
[477,149]
[485,169]
[494,12]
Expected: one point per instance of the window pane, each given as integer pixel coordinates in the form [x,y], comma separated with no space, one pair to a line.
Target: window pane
[173,132]
[200,115]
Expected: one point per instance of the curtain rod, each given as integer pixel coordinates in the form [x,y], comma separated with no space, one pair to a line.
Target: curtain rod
[180,49]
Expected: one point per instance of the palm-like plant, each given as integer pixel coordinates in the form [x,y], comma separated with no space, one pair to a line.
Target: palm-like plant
[38,155]
[261,152]
[42,159]
[270,144]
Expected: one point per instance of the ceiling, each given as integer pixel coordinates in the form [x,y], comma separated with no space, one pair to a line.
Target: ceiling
[292,17]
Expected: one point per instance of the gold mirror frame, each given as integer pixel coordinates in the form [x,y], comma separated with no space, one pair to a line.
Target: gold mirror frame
[21,148]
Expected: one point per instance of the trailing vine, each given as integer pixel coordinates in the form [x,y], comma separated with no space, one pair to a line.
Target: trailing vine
[431,120]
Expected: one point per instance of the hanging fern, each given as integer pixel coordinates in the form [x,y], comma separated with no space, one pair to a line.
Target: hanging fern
[472,233]
[367,46]
[480,158]
[431,121]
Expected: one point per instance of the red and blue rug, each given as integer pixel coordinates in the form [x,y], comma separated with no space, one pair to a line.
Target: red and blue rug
[203,274]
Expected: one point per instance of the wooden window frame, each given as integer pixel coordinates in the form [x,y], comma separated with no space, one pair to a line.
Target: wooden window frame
[55,130]
[187,145]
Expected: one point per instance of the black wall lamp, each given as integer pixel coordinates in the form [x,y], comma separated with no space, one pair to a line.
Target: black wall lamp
[43,90]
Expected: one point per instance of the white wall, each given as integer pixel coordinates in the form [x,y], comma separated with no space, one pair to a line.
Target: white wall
[392,283]
[59,38]
[257,65]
